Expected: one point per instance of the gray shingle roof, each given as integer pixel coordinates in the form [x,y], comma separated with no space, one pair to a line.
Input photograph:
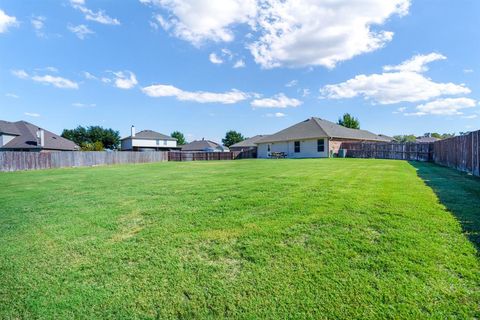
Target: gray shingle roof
[200,145]
[151,135]
[8,128]
[426,139]
[318,128]
[250,142]
[27,139]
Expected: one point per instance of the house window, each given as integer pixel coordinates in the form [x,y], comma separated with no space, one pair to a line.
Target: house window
[158,142]
[297,146]
[164,142]
[321,145]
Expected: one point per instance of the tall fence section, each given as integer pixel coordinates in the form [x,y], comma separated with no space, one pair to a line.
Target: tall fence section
[398,151]
[14,161]
[461,153]
[201,156]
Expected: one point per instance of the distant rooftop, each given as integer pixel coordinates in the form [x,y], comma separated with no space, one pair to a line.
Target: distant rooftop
[316,128]
[150,135]
[26,137]
[426,139]
[199,145]
[250,142]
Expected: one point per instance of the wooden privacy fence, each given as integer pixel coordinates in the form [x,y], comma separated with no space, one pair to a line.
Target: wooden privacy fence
[14,161]
[398,151]
[461,153]
[201,156]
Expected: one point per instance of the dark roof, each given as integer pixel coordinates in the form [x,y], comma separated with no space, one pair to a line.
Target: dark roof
[200,145]
[8,128]
[250,142]
[318,128]
[426,139]
[150,135]
[390,139]
[27,138]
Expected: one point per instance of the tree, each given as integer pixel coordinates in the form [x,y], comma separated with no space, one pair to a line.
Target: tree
[78,135]
[232,137]
[349,121]
[405,138]
[96,146]
[180,138]
[442,136]
[109,138]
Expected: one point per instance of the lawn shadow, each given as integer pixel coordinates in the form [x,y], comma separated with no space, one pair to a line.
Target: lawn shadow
[458,192]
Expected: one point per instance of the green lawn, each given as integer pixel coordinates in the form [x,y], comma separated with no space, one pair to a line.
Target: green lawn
[330,238]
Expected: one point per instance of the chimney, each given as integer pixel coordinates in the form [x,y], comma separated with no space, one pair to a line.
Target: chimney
[41,137]
[133,131]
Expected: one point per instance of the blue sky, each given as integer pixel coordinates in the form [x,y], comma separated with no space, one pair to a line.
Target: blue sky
[204,67]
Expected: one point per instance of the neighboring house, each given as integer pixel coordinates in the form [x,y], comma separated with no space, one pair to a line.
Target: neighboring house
[312,138]
[387,138]
[426,139]
[25,136]
[247,144]
[204,146]
[148,140]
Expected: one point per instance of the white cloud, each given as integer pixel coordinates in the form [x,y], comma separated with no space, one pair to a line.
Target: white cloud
[468,71]
[305,92]
[99,16]
[200,20]
[472,116]
[390,88]
[51,69]
[11,95]
[229,97]
[239,64]
[292,83]
[444,107]
[293,33]
[38,24]
[55,81]
[125,79]
[31,114]
[21,74]
[417,63]
[276,115]
[89,76]
[215,59]
[83,105]
[81,31]
[321,33]
[6,21]
[227,53]
[394,87]
[277,101]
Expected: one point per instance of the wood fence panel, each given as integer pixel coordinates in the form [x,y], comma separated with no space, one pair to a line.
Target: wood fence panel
[14,161]
[461,153]
[397,151]
[204,156]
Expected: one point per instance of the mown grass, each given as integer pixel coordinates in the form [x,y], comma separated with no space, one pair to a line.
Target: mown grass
[324,239]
